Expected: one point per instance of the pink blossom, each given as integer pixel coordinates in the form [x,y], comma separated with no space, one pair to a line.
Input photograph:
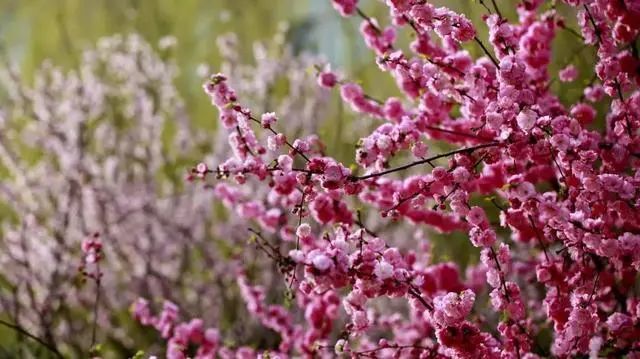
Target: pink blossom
[268,119]
[568,74]
[383,270]
[476,216]
[327,79]
[322,262]
[526,120]
[345,7]
[451,308]
[304,230]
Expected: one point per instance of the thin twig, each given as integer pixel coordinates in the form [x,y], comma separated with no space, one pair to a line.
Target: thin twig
[425,160]
[485,6]
[495,6]
[540,241]
[295,150]
[486,51]
[369,20]
[40,341]
[457,133]
[95,309]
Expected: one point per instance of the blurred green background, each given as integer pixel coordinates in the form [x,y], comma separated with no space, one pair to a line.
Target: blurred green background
[34,30]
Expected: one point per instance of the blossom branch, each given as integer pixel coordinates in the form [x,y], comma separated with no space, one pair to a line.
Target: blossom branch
[426,160]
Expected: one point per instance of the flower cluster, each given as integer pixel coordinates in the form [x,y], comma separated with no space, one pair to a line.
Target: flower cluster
[179,335]
[559,257]
[92,255]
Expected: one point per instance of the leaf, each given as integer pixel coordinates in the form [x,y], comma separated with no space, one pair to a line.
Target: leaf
[138,355]
[96,350]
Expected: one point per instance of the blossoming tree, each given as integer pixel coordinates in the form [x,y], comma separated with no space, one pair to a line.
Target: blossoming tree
[547,191]
[562,257]
[91,192]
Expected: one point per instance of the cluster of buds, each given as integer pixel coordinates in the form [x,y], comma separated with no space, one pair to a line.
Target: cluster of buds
[91,257]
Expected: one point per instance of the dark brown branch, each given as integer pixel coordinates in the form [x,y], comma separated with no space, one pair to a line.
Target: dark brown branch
[486,51]
[295,150]
[368,353]
[425,160]
[244,141]
[495,6]
[26,333]
[540,239]
[96,305]
[573,32]
[593,22]
[414,293]
[485,7]
[369,20]
[458,133]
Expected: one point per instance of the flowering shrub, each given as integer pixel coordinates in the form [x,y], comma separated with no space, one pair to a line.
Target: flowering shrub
[560,259]
[93,211]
